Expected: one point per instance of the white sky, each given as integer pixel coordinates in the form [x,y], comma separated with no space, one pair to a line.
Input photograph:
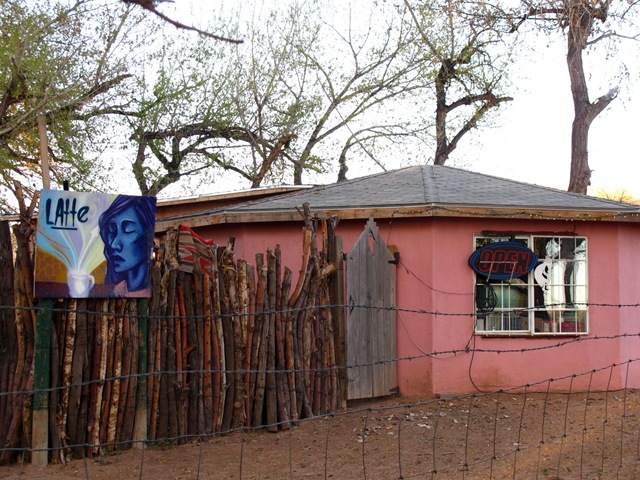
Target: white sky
[531,137]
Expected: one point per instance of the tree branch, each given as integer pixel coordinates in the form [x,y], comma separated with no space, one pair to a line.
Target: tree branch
[150,5]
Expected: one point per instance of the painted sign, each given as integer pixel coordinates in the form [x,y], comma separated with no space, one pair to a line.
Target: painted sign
[503,260]
[94,245]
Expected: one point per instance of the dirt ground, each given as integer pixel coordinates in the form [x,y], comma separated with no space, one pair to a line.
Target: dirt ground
[498,436]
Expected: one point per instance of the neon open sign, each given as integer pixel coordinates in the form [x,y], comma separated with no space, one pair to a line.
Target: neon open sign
[503,260]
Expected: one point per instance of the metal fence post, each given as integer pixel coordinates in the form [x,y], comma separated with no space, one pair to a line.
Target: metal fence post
[41,370]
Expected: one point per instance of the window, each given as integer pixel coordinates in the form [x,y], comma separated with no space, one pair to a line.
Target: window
[549,300]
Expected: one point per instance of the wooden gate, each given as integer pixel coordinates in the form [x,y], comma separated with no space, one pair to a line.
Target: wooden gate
[371,319]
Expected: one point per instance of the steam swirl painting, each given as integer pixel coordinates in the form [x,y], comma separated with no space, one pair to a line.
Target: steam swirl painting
[94,245]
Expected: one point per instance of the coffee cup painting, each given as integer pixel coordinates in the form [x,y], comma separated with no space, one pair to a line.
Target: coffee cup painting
[94,245]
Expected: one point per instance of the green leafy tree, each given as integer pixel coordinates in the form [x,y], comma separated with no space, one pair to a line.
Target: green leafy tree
[66,62]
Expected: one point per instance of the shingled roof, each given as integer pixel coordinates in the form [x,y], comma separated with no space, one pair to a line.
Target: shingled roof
[426,190]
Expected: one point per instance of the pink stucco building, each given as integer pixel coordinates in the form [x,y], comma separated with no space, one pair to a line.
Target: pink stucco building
[458,330]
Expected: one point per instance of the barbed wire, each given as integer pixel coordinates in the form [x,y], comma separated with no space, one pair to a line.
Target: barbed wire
[464,466]
[287,312]
[467,460]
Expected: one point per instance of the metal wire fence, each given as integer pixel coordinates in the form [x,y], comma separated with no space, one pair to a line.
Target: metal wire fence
[547,429]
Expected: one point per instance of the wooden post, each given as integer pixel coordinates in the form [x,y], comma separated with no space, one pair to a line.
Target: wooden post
[140,425]
[40,432]
[44,151]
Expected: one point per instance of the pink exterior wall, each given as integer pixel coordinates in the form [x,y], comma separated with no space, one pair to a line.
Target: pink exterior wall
[434,276]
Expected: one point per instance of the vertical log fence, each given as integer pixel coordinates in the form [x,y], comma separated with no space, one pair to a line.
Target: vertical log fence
[233,346]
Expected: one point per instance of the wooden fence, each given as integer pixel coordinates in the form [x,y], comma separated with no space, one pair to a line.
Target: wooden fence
[236,347]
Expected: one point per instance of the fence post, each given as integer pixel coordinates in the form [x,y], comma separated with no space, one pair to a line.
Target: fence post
[41,369]
[140,423]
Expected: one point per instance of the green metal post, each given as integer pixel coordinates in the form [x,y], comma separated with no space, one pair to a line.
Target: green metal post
[41,370]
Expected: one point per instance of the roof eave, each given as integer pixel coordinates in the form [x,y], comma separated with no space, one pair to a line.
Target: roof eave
[289,215]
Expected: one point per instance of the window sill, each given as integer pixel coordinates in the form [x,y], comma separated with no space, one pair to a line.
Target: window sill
[531,335]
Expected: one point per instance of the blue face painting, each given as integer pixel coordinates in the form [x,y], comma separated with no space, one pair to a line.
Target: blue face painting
[126,228]
[126,243]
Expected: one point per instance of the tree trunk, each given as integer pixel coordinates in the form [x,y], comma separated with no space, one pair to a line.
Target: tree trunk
[581,17]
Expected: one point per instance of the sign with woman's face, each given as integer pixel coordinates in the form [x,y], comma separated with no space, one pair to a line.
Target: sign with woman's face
[94,245]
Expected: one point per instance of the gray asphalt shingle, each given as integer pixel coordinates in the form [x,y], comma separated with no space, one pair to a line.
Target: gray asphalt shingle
[433,185]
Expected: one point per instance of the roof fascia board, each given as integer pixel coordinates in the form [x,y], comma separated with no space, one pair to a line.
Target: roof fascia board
[230,217]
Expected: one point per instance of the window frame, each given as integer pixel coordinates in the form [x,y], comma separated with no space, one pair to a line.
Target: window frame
[534,314]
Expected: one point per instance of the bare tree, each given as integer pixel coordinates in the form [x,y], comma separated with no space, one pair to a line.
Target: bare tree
[281,104]
[222,108]
[585,23]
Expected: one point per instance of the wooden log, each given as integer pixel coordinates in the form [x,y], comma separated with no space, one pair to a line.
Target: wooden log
[172,376]
[254,347]
[315,354]
[88,310]
[110,368]
[94,374]
[153,346]
[76,422]
[181,358]
[226,265]
[139,423]
[282,378]
[259,359]
[130,404]
[219,376]
[306,298]
[306,252]
[163,397]
[242,318]
[12,435]
[127,354]
[177,342]
[200,286]
[330,362]
[289,340]
[155,389]
[271,394]
[231,283]
[192,285]
[116,373]
[207,361]
[100,367]
[8,336]
[243,302]
[183,337]
[179,392]
[24,359]
[171,352]
[251,325]
[67,364]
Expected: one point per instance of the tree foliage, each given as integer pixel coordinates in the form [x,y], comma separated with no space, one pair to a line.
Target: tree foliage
[295,98]
[310,90]
[58,61]
[466,41]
